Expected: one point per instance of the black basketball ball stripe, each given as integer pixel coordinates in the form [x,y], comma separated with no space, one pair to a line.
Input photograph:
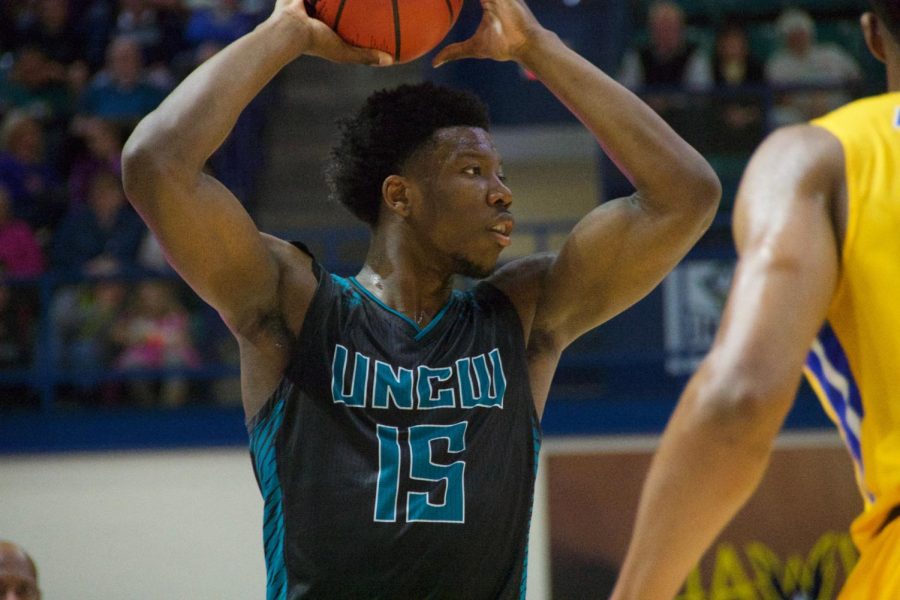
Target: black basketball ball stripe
[337,17]
[396,29]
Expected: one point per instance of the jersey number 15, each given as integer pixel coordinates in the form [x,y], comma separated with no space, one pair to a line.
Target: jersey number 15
[422,468]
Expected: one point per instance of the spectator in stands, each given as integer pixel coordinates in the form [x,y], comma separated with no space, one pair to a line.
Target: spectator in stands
[101,238]
[121,92]
[34,83]
[804,61]
[738,123]
[83,318]
[155,333]
[102,151]
[52,29]
[669,59]
[20,254]
[156,25]
[18,573]
[30,180]
[221,22]
[20,258]
[733,64]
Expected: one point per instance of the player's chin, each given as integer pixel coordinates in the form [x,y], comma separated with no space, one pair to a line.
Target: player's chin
[476,267]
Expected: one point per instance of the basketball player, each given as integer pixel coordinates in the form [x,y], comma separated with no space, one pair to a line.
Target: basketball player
[393,421]
[18,575]
[817,225]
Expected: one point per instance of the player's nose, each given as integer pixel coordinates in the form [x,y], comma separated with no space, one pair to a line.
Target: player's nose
[500,194]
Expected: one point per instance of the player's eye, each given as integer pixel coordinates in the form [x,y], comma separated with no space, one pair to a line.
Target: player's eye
[502,177]
[472,170]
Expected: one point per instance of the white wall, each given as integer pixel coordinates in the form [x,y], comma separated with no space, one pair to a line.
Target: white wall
[152,526]
[137,526]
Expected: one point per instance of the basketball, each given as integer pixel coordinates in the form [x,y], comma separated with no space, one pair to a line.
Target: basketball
[405,29]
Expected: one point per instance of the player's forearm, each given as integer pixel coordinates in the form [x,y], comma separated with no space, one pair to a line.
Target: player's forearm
[711,458]
[667,171]
[199,114]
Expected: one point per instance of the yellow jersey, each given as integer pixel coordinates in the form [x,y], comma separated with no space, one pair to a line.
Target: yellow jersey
[854,364]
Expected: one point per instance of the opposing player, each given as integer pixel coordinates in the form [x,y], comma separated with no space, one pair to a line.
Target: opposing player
[817,225]
[393,421]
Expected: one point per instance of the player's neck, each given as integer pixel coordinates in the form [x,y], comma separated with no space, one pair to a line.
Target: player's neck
[892,64]
[405,280]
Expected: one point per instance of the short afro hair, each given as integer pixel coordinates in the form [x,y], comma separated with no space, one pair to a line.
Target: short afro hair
[888,12]
[388,129]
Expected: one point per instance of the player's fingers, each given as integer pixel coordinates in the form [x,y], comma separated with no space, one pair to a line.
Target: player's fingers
[455,51]
[333,48]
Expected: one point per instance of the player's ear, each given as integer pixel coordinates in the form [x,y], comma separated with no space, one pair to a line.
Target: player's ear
[395,193]
[871,27]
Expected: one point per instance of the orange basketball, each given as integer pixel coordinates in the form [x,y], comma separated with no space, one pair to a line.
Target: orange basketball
[405,29]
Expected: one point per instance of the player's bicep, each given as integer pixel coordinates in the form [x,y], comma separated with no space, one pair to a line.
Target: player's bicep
[614,257]
[213,243]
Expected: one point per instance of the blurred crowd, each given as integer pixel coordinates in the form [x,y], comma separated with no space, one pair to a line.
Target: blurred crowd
[75,78]
[809,76]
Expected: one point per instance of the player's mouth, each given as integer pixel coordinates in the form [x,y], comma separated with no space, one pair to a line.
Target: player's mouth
[502,230]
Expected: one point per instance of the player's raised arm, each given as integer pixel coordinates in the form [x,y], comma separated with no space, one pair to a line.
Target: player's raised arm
[717,444]
[206,234]
[622,249]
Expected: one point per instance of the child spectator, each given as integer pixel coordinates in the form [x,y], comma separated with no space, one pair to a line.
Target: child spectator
[20,254]
[83,318]
[155,333]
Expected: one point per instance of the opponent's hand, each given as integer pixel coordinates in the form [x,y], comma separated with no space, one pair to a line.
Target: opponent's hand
[318,39]
[506,29]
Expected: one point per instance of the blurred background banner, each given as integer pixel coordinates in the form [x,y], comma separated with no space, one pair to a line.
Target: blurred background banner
[789,543]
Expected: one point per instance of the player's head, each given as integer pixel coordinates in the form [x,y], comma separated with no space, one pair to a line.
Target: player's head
[18,574]
[379,140]
[882,30]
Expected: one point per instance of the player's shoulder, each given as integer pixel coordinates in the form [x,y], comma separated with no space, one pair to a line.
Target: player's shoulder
[287,253]
[521,275]
[299,276]
[522,282]
[803,149]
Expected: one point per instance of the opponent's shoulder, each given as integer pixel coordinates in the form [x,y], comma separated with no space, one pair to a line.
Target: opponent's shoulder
[797,171]
[804,155]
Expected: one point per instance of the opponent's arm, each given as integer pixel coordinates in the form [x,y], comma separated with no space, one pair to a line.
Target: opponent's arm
[206,233]
[717,444]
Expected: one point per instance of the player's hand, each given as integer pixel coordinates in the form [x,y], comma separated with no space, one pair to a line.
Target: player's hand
[506,29]
[318,39]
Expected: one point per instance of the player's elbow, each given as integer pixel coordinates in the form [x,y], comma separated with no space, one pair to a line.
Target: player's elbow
[147,167]
[703,194]
[745,408]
